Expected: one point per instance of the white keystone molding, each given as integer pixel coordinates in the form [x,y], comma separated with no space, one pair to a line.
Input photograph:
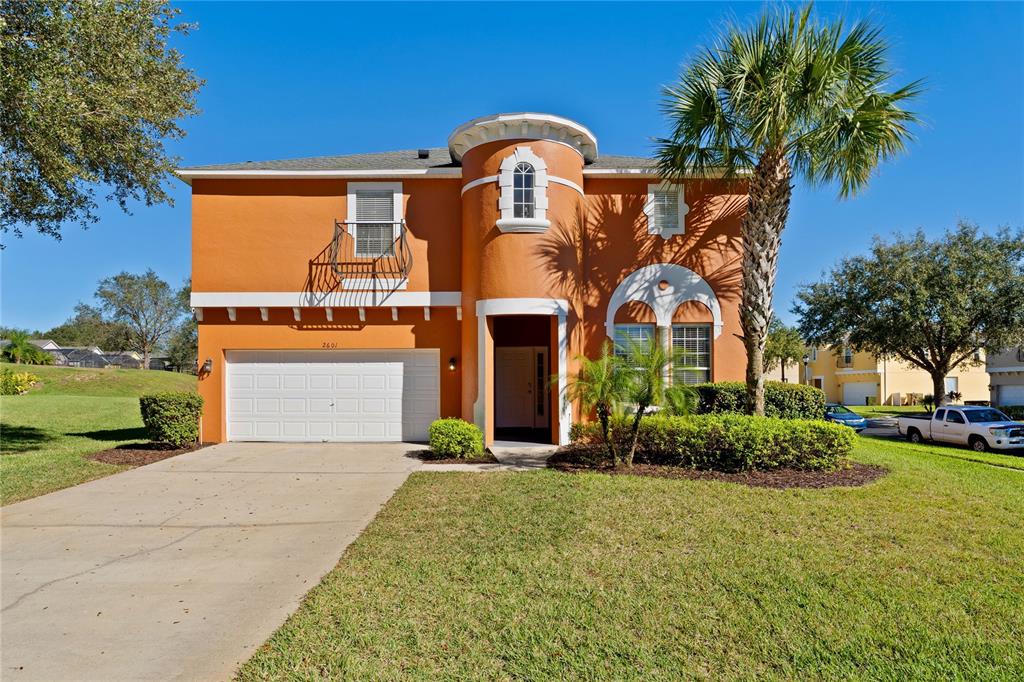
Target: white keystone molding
[325,299]
[683,285]
[330,314]
[232,314]
[651,213]
[264,313]
[508,222]
[297,312]
[525,306]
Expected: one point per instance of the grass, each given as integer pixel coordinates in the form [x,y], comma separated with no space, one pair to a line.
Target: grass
[46,434]
[119,383]
[887,410]
[545,575]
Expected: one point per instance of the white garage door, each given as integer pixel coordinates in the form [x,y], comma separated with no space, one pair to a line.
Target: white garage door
[857,392]
[1011,395]
[332,395]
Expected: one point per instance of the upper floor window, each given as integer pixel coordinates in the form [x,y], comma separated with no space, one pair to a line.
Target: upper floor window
[847,355]
[522,194]
[374,217]
[814,355]
[693,344]
[666,210]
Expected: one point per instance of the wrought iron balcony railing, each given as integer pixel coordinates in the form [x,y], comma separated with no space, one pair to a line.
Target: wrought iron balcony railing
[843,363]
[374,251]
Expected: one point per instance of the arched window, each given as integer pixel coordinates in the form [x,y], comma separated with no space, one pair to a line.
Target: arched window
[522,194]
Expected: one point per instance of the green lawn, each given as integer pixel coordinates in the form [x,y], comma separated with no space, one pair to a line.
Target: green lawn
[45,434]
[545,575]
[103,382]
[887,410]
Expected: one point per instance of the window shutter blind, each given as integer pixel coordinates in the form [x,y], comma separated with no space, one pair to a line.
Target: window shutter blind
[374,238]
[666,209]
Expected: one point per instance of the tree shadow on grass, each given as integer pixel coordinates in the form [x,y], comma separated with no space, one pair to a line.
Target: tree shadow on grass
[19,439]
[135,433]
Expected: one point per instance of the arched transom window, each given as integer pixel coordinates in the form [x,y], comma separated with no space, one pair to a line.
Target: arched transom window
[522,186]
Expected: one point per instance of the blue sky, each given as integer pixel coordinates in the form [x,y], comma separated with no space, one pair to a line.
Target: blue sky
[292,80]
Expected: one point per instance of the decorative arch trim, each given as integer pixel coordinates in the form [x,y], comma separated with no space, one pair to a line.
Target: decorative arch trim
[683,285]
[508,222]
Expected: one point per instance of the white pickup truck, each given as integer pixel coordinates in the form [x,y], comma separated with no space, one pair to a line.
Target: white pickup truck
[980,428]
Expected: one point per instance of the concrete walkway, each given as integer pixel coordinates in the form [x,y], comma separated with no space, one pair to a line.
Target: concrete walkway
[181,569]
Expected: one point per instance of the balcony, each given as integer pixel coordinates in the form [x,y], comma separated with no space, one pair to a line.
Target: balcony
[371,255]
[843,363]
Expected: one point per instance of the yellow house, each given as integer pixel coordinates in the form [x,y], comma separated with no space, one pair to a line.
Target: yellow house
[864,379]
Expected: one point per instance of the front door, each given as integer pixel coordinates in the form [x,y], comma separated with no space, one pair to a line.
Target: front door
[520,387]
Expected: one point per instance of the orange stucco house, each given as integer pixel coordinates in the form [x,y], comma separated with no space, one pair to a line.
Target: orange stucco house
[360,297]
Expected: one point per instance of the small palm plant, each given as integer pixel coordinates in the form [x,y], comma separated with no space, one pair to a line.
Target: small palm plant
[602,385]
[787,97]
[20,350]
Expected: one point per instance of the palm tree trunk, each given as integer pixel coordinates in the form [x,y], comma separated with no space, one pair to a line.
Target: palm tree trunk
[634,433]
[604,417]
[768,194]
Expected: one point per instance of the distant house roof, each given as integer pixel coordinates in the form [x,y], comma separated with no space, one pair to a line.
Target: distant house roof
[45,344]
[438,161]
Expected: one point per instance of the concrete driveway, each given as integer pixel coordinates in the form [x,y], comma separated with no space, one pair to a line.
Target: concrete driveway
[181,569]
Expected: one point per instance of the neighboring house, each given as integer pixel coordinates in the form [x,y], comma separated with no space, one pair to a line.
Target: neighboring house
[160,362]
[44,344]
[862,378]
[358,298]
[47,345]
[87,356]
[123,359]
[1006,372]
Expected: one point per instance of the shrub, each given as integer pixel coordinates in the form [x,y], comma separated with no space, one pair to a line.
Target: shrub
[455,438]
[733,442]
[16,383]
[1015,412]
[172,418]
[785,401]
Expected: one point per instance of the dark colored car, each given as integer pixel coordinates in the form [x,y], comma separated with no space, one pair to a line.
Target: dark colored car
[845,416]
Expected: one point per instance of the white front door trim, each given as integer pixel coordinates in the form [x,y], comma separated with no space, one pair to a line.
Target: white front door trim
[525,306]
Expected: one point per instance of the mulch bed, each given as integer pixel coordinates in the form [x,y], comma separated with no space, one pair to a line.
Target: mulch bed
[430,458]
[140,454]
[852,475]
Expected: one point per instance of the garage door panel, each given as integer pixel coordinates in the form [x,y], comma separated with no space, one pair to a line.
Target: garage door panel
[332,395]
[1011,395]
[857,392]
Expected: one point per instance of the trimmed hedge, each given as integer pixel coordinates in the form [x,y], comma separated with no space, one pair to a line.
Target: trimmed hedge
[785,401]
[732,442]
[172,418]
[16,383]
[1015,412]
[455,438]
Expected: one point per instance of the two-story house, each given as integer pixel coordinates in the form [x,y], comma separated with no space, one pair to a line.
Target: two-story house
[859,378]
[1006,374]
[360,297]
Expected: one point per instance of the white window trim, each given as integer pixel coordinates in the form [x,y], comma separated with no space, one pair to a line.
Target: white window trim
[508,222]
[709,369]
[651,212]
[398,212]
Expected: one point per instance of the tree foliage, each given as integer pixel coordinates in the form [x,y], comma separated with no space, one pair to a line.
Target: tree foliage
[88,327]
[20,350]
[784,346]
[183,347]
[787,95]
[145,304]
[89,92]
[932,304]
[601,385]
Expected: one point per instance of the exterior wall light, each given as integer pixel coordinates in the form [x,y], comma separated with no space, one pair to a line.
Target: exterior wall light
[207,366]
[451,364]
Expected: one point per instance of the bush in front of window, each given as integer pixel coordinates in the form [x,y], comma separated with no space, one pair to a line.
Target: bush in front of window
[455,438]
[782,401]
[172,417]
[732,442]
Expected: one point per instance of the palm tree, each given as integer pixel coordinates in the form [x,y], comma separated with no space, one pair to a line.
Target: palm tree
[602,384]
[19,349]
[787,95]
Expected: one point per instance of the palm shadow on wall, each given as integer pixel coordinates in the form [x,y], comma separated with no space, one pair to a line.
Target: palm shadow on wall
[607,239]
